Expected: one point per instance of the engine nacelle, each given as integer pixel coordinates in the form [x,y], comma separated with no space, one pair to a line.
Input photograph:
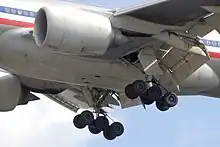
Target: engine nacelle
[12,93]
[75,31]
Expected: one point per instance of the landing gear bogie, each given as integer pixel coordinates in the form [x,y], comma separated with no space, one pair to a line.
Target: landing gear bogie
[153,92]
[78,122]
[142,88]
[145,100]
[162,106]
[93,129]
[139,87]
[98,125]
[117,128]
[170,99]
[108,134]
[99,122]
[87,117]
[102,123]
[130,93]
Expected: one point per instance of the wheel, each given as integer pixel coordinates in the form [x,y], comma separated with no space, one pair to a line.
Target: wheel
[139,87]
[117,128]
[170,99]
[161,106]
[93,129]
[154,93]
[87,117]
[101,123]
[108,134]
[130,93]
[77,121]
[146,101]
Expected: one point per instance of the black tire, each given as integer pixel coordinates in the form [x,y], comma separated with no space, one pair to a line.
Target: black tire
[87,117]
[154,93]
[146,101]
[109,135]
[130,93]
[93,129]
[162,106]
[101,123]
[139,87]
[117,128]
[77,121]
[170,99]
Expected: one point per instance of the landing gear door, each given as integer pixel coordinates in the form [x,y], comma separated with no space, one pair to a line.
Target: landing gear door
[149,62]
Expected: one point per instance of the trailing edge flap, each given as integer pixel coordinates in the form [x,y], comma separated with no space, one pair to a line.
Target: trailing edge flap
[213,19]
[180,64]
[213,9]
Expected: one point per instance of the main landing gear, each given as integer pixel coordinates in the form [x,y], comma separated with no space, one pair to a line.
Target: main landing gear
[150,92]
[98,125]
[99,122]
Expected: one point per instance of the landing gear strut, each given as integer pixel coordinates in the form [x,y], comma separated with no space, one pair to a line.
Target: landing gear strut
[98,125]
[150,92]
[99,122]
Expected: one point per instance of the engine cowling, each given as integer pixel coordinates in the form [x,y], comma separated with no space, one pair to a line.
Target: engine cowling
[71,30]
[12,93]
[10,90]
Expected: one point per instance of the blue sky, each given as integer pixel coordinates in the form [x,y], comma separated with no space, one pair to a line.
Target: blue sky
[111,4]
[193,123]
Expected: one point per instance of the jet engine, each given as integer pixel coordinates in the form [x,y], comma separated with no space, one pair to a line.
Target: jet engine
[75,31]
[13,93]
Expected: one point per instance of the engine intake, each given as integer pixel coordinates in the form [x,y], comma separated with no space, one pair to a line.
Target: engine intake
[71,30]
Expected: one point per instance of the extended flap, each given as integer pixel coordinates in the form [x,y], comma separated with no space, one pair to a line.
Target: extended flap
[181,63]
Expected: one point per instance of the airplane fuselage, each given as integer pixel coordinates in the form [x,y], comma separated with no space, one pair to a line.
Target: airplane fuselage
[20,55]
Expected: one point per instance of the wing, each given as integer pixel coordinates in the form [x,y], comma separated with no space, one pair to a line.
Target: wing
[177,24]
[181,13]
[170,12]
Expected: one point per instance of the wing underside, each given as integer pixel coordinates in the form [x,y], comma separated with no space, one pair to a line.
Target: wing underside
[170,12]
[177,58]
[181,53]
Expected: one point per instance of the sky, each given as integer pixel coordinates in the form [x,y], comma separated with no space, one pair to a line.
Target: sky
[194,122]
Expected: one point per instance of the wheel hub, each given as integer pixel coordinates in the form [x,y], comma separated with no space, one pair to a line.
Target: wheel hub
[171,99]
[139,87]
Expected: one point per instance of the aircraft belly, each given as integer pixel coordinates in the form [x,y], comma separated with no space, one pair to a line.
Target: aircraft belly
[213,92]
[203,79]
[20,55]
